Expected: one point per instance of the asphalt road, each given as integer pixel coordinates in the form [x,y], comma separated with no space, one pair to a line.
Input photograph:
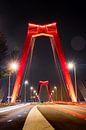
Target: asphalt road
[14,119]
[65,117]
[60,117]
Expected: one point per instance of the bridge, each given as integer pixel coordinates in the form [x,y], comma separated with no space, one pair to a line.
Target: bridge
[51,115]
[34,31]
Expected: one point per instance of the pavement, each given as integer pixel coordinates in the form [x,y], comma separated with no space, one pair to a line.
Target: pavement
[13,117]
[45,116]
[65,117]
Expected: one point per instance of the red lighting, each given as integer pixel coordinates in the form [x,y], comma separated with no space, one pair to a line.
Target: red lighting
[46,84]
[49,30]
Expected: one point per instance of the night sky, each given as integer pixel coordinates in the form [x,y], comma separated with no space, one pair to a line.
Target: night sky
[71,19]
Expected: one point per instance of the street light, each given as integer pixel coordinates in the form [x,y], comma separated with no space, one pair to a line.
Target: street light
[52,94]
[52,91]
[31,88]
[12,67]
[26,83]
[55,88]
[36,94]
[31,92]
[71,66]
[34,91]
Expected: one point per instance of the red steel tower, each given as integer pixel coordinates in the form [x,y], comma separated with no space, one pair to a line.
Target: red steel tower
[34,31]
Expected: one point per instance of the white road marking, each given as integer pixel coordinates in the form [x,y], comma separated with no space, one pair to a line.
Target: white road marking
[36,121]
[9,120]
[19,115]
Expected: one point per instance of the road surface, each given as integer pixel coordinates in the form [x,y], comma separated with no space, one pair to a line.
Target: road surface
[45,116]
[65,117]
[14,118]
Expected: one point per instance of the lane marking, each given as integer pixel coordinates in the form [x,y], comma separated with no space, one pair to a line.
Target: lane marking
[19,115]
[36,121]
[9,120]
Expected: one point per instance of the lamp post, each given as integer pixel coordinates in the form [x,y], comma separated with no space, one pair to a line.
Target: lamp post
[52,94]
[34,91]
[34,97]
[31,91]
[55,88]
[9,88]
[12,67]
[26,83]
[71,66]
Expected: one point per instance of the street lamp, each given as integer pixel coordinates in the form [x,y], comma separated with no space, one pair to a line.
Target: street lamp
[31,92]
[55,88]
[52,91]
[52,94]
[34,91]
[71,66]
[12,67]
[31,88]
[36,94]
[26,83]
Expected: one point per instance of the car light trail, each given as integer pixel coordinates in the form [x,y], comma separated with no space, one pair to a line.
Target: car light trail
[76,109]
[75,114]
[6,109]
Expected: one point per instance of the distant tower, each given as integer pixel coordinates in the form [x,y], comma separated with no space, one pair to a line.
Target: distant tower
[45,84]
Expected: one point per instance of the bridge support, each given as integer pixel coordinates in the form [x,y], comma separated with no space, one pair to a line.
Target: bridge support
[44,84]
[34,31]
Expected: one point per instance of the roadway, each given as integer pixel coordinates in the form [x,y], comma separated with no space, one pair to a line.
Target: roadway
[34,117]
[65,117]
[13,118]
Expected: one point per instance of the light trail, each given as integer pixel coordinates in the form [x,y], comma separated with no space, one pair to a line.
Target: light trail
[6,109]
[74,113]
[76,109]
[70,112]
